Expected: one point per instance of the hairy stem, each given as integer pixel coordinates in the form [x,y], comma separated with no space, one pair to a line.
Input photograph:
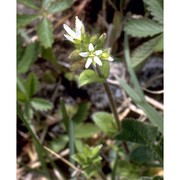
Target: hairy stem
[110,97]
[113,107]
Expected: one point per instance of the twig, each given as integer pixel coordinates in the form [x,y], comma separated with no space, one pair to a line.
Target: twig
[62,159]
[154,103]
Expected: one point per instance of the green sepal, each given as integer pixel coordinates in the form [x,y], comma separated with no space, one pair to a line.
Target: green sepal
[74,56]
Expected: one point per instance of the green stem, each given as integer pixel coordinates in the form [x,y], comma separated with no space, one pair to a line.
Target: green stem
[113,107]
[71,144]
[114,168]
[111,99]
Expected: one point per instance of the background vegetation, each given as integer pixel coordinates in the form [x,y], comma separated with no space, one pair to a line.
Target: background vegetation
[58,120]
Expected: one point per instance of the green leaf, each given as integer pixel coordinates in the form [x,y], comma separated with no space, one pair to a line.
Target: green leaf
[143,27]
[49,55]
[40,104]
[20,49]
[160,44]
[32,85]
[28,3]
[89,76]
[29,57]
[28,112]
[21,90]
[46,3]
[142,155]
[59,143]
[89,159]
[25,19]
[82,113]
[85,130]
[154,116]
[105,122]
[138,132]
[105,69]
[59,5]
[142,52]
[45,33]
[65,115]
[156,9]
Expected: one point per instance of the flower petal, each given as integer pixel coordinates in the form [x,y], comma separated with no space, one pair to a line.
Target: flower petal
[91,47]
[78,24]
[110,58]
[98,52]
[98,61]
[69,31]
[88,62]
[69,38]
[84,54]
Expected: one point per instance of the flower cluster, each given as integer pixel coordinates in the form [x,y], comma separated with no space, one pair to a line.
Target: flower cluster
[94,53]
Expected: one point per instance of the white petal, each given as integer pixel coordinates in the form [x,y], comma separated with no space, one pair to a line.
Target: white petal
[91,47]
[98,61]
[69,38]
[78,34]
[110,58]
[79,25]
[88,62]
[69,31]
[98,52]
[84,54]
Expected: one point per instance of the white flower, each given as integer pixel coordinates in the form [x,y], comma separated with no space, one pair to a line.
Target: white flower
[91,56]
[74,34]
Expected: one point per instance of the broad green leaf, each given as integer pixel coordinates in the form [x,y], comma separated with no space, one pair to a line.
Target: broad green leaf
[79,145]
[143,155]
[45,32]
[143,133]
[143,27]
[142,52]
[105,122]
[85,130]
[138,132]
[40,104]
[59,5]
[32,85]
[25,19]
[49,55]
[28,3]
[82,113]
[59,143]
[89,76]
[156,9]
[29,57]
[160,44]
